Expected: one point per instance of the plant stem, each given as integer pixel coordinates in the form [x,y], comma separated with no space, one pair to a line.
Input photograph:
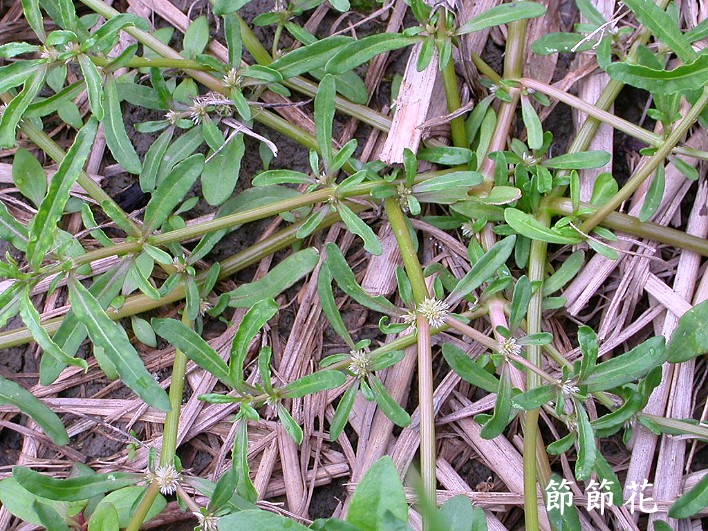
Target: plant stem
[452,90]
[141,512]
[153,62]
[648,168]
[611,119]
[399,225]
[631,225]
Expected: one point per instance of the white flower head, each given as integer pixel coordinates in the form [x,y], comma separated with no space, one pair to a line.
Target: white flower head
[567,388]
[359,363]
[509,347]
[173,117]
[434,311]
[199,111]
[403,192]
[467,229]
[207,522]
[232,79]
[166,477]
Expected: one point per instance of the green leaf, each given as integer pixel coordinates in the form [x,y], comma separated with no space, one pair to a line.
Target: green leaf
[52,207]
[536,397]
[696,33]
[196,37]
[446,181]
[529,226]
[153,158]
[341,415]
[357,226]
[690,339]
[72,489]
[309,57]
[33,16]
[502,14]
[663,27]
[627,367]
[579,161]
[48,517]
[484,268]
[93,85]
[329,305]
[116,137]
[278,279]
[691,76]
[221,172]
[468,369]
[17,73]
[193,346]
[380,491]
[239,455]
[171,191]
[458,514]
[104,517]
[257,519]
[28,175]
[448,156]
[31,318]
[22,503]
[324,114]
[604,189]
[502,409]
[387,404]
[290,424]
[113,340]
[692,502]
[15,395]
[358,52]
[314,383]
[15,110]
[12,230]
[551,43]
[271,177]
[255,319]
[565,273]
[589,347]
[178,151]
[587,451]
[519,302]
[346,280]
[532,123]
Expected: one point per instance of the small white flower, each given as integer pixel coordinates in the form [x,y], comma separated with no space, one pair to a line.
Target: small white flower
[359,363]
[49,52]
[207,522]
[509,347]
[568,388]
[528,159]
[199,111]
[403,192]
[166,477]
[232,79]
[173,117]
[467,229]
[434,311]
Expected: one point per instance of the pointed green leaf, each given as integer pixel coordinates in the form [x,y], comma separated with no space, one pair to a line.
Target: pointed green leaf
[691,76]
[116,137]
[627,367]
[93,85]
[15,395]
[290,425]
[502,409]
[113,340]
[388,405]
[15,110]
[346,280]
[324,114]
[52,207]
[270,177]
[341,415]
[33,16]
[563,515]
[692,502]
[12,230]
[565,273]
[221,173]
[502,14]
[28,175]
[663,27]
[589,347]
[329,305]
[536,397]
[484,268]
[358,52]
[529,226]
[587,451]
[309,57]
[153,158]
[16,73]
[72,489]
[255,319]
[193,346]
[690,339]
[258,519]
[357,226]
[532,123]
[519,302]
[468,369]
[314,383]
[31,318]
[380,491]
[579,161]
[171,191]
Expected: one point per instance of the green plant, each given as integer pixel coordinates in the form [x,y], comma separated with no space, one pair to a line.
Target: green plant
[511,197]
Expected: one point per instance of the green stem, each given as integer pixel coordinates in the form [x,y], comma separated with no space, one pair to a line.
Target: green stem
[650,166]
[153,62]
[399,225]
[452,90]
[485,69]
[611,119]
[631,225]
[145,504]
